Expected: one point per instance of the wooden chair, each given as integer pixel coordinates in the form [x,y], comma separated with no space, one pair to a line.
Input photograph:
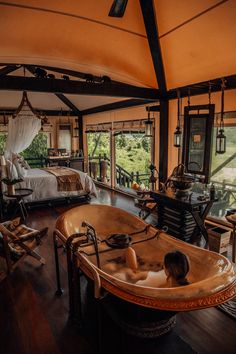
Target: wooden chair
[18,241]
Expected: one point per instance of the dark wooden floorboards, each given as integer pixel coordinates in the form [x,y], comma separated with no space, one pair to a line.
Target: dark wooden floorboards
[34,321]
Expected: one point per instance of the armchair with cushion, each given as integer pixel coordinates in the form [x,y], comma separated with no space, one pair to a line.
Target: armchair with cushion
[18,241]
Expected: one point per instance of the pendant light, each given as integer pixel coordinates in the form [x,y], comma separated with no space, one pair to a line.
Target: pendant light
[178,133]
[220,137]
[148,125]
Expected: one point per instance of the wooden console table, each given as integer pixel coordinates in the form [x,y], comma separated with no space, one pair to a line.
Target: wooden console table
[68,161]
[184,217]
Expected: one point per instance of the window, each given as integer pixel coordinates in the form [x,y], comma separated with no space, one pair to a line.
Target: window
[223,174]
[133,158]
[124,143]
[64,137]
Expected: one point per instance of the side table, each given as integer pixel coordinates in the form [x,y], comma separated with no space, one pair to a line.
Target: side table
[20,194]
[185,216]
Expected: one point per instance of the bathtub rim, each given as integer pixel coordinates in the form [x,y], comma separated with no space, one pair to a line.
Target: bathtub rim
[102,281]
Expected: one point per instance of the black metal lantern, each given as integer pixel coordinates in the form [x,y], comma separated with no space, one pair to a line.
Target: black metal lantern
[177,137]
[178,133]
[220,137]
[148,125]
[220,142]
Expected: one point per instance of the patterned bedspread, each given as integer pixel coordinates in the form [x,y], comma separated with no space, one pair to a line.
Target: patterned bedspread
[67,180]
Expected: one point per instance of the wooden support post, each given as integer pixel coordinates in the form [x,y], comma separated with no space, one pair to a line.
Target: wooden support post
[81,137]
[163,134]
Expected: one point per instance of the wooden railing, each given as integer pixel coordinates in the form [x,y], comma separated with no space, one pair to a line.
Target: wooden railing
[226,191]
[36,161]
[123,177]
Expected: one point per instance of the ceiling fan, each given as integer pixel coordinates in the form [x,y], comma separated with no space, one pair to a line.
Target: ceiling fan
[118,8]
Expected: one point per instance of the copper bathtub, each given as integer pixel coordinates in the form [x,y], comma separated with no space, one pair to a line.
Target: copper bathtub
[212,276]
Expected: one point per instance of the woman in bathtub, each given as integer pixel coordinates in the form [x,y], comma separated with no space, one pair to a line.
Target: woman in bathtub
[176,267]
[173,274]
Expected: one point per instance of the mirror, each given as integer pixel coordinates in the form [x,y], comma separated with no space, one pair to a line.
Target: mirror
[64,136]
[196,154]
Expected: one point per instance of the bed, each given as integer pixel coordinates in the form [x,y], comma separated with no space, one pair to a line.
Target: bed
[45,187]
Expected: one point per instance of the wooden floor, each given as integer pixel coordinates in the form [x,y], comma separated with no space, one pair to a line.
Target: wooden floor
[34,321]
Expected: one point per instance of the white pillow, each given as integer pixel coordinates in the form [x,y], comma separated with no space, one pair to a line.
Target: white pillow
[23,162]
[11,170]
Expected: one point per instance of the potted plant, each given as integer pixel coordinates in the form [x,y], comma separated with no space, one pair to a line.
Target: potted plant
[10,183]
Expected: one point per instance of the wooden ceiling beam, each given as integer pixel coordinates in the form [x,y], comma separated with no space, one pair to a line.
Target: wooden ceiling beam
[68,103]
[150,21]
[8,69]
[93,110]
[149,17]
[34,84]
[155,108]
[62,71]
[73,73]
[116,105]
[64,99]
[201,88]
[47,112]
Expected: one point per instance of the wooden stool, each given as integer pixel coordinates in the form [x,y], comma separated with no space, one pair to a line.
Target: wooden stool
[232,219]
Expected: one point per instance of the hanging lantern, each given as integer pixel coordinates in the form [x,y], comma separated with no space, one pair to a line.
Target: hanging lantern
[148,125]
[177,137]
[220,137]
[220,142]
[178,133]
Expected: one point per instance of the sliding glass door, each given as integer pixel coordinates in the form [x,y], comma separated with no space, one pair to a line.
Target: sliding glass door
[133,158]
[119,153]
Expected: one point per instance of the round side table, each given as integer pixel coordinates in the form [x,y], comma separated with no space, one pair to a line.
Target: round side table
[20,194]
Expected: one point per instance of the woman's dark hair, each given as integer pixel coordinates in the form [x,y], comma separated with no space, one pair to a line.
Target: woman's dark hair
[177,265]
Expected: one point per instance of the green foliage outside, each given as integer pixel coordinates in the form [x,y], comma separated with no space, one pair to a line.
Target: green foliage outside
[3,139]
[228,173]
[37,148]
[102,140]
[133,151]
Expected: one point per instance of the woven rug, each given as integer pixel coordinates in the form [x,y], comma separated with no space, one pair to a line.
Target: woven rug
[229,308]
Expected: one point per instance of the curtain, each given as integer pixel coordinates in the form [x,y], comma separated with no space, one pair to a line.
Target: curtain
[22,128]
